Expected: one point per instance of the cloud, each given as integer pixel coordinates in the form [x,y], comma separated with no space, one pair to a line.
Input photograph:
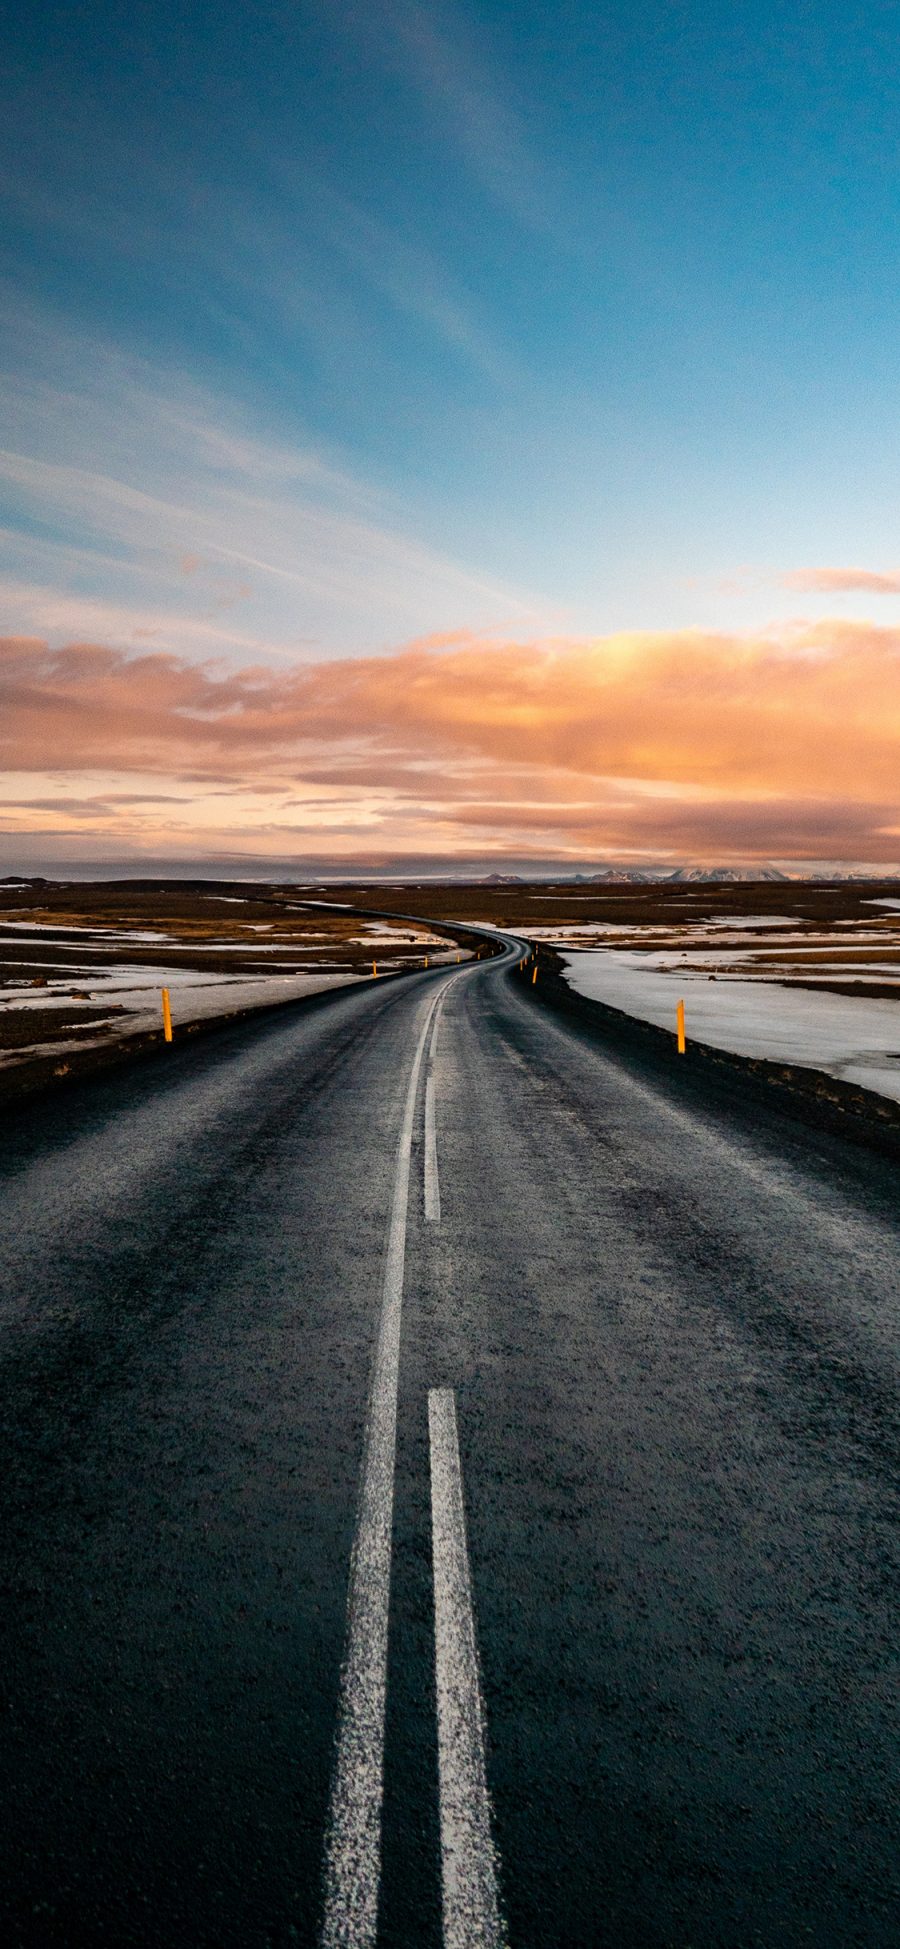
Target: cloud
[129,486]
[412,280]
[438,49]
[41,607]
[842,581]
[783,744]
[333,556]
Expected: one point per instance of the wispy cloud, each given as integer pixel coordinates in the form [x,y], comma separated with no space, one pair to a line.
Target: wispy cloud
[147,470]
[470,106]
[842,581]
[44,609]
[414,281]
[456,79]
[780,744]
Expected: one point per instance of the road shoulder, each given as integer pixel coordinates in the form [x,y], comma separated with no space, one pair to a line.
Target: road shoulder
[808,1096]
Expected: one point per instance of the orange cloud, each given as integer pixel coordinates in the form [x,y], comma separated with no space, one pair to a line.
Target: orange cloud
[687,741]
[841,581]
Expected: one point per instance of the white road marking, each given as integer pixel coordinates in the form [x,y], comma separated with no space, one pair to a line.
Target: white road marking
[437,1023]
[471,1909]
[432,1181]
[353,1845]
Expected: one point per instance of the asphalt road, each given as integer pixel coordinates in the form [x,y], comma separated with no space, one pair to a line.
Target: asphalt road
[273,1314]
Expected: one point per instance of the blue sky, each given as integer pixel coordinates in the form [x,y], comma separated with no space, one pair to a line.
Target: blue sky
[593,308]
[326,328]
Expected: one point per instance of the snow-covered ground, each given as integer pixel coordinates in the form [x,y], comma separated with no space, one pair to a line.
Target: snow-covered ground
[79,976]
[856,1038]
[136,991]
[108,940]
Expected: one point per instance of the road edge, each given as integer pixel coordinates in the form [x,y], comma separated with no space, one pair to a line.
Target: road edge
[809,1096]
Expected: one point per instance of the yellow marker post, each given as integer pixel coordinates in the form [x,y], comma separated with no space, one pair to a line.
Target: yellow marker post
[680,1019]
[374,969]
[426,960]
[534,976]
[167,1015]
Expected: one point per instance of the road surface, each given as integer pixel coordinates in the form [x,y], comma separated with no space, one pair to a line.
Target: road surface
[449,1494]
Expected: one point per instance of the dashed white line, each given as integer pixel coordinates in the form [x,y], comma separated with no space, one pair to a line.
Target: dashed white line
[353,1844]
[469,1875]
[437,1023]
[432,1181]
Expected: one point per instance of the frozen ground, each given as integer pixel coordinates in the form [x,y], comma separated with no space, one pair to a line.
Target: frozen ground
[762,1013]
[79,970]
[137,993]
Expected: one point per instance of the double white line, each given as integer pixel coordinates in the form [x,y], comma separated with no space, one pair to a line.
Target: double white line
[353,1845]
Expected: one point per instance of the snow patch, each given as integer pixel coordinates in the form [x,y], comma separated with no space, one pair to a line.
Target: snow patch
[853,1038]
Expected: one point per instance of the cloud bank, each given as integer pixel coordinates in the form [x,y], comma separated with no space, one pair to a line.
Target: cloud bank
[673,743]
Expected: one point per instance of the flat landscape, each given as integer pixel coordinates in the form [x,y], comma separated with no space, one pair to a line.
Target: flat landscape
[83,965]
[791,972]
[447,1446]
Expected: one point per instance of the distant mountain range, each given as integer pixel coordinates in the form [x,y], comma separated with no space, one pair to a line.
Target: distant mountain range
[681,876]
[625,876]
[727,873]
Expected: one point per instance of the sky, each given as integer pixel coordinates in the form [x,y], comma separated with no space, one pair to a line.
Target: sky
[450,434]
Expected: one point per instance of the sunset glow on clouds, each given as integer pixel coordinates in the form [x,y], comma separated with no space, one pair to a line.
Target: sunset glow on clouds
[413,417]
[660,745]
[842,581]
